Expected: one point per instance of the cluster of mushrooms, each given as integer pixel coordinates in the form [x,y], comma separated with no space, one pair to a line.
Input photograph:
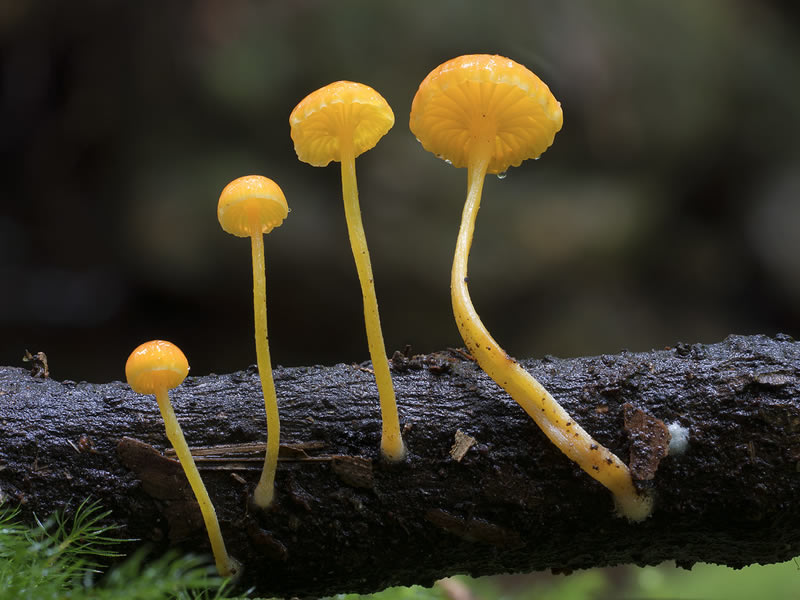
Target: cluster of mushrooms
[483,112]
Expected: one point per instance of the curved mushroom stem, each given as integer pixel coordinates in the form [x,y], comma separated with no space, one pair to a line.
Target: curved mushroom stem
[558,426]
[265,490]
[392,445]
[226,565]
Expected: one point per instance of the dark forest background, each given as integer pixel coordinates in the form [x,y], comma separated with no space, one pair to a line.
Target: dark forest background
[667,209]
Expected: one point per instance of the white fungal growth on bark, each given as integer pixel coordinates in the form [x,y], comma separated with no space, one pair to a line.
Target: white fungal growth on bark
[679,440]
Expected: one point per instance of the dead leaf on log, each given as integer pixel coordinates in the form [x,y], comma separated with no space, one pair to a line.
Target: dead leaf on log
[463,443]
[355,471]
[649,442]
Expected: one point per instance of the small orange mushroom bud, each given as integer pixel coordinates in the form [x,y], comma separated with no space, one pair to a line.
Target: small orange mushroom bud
[338,123]
[489,113]
[155,368]
[250,207]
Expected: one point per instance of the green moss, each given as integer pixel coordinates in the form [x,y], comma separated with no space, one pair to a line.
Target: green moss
[64,558]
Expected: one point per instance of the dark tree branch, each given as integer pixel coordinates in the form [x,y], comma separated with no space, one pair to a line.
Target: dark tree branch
[504,499]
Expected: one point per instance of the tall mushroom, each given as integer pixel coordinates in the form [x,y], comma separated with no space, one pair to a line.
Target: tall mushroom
[338,123]
[156,367]
[489,113]
[251,206]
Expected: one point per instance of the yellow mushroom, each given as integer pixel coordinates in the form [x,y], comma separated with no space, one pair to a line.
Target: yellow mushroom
[154,368]
[338,123]
[489,113]
[251,206]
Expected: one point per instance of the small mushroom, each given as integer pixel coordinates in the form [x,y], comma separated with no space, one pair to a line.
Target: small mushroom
[154,368]
[338,123]
[251,206]
[489,113]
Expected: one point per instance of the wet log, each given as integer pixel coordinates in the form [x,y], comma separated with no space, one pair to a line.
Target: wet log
[482,490]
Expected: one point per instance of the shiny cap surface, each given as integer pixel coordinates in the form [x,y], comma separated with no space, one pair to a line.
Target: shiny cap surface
[472,94]
[343,109]
[251,205]
[154,366]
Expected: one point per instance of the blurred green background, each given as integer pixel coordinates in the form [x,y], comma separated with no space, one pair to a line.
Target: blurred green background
[667,209]
[703,582]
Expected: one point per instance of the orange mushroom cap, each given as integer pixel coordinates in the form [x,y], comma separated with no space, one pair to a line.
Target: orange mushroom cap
[248,198]
[458,99]
[154,366]
[343,108]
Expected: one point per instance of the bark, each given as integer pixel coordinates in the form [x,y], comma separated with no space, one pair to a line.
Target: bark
[482,490]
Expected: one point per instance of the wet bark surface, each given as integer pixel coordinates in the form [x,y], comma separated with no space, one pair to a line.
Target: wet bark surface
[482,490]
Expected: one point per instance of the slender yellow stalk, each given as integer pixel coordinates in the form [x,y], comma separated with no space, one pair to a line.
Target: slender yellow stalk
[225,564]
[252,206]
[602,464]
[392,445]
[265,490]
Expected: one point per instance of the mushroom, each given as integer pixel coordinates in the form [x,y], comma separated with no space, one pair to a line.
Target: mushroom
[489,113]
[338,123]
[154,368]
[251,206]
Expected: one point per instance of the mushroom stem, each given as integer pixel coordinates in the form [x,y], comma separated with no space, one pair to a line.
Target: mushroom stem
[392,445]
[265,490]
[226,565]
[599,462]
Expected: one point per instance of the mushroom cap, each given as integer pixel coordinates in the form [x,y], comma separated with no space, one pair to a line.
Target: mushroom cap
[156,365]
[460,98]
[342,108]
[251,197]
